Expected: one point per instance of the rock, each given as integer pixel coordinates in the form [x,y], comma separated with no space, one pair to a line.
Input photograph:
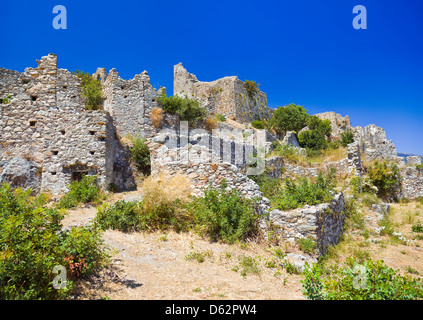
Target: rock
[22,173]
[290,139]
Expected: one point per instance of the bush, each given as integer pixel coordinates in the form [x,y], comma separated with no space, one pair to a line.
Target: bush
[316,137]
[122,215]
[252,88]
[224,215]
[220,117]
[6,99]
[140,155]
[418,227]
[268,185]
[83,191]
[363,185]
[187,109]
[258,124]
[32,244]
[386,178]
[370,281]
[91,90]
[289,118]
[347,137]
[306,191]
[307,245]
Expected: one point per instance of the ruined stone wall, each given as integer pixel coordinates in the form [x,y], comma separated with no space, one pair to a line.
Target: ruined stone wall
[322,223]
[338,123]
[46,123]
[374,144]
[227,96]
[130,102]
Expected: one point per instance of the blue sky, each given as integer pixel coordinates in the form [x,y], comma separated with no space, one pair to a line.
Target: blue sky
[305,52]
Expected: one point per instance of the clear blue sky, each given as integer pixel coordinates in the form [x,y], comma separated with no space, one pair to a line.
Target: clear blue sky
[304,52]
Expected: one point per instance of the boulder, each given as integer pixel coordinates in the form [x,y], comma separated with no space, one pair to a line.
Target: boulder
[22,173]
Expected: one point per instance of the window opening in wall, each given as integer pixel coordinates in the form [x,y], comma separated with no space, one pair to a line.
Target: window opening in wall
[32,123]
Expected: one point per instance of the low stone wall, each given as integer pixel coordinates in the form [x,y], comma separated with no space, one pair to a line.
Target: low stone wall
[342,167]
[322,223]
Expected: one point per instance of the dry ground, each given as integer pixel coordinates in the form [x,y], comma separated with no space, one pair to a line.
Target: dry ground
[154,265]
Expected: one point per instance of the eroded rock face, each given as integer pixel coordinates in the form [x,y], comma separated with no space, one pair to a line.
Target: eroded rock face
[21,173]
[291,140]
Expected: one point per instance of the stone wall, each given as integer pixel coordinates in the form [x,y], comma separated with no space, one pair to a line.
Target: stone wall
[374,144]
[411,182]
[322,223]
[227,96]
[47,124]
[338,123]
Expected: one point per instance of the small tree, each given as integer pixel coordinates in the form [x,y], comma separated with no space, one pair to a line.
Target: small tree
[187,109]
[289,118]
[140,155]
[386,178]
[316,137]
[252,88]
[347,137]
[91,90]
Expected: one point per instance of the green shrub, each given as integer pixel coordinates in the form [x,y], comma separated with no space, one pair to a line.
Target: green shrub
[252,88]
[316,137]
[418,227]
[82,191]
[220,117]
[247,265]
[91,90]
[224,215]
[199,256]
[354,218]
[305,192]
[307,245]
[289,118]
[187,109]
[369,281]
[363,185]
[32,244]
[386,178]
[6,99]
[268,185]
[347,137]
[140,156]
[258,124]
[122,215]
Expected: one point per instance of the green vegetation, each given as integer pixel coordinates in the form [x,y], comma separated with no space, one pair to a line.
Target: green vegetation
[200,257]
[307,191]
[247,265]
[220,117]
[91,90]
[307,245]
[418,227]
[224,215]
[140,155]
[369,281]
[187,109]
[252,88]
[32,244]
[386,178]
[258,124]
[289,118]
[316,137]
[6,99]
[347,137]
[82,191]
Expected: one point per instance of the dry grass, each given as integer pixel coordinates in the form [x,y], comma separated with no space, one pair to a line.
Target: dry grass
[156,117]
[330,155]
[164,189]
[211,123]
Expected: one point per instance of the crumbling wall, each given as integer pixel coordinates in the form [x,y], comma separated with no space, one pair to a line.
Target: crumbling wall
[47,124]
[130,102]
[227,96]
[374,144]
[338,123]
[322,223]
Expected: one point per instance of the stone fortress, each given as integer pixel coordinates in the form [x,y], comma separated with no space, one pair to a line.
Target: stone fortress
[48,139]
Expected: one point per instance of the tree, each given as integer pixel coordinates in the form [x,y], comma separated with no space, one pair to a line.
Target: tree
[91,90]
[316,137]
[289,118]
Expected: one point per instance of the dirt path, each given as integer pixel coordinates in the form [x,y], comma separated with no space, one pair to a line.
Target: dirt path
[154,266]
